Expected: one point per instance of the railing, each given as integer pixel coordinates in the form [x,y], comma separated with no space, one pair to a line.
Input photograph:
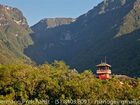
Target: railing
[103,71]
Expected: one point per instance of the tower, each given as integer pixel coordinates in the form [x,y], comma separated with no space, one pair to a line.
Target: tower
[103,71]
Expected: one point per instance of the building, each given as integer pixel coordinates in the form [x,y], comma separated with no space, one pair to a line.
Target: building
[103,71]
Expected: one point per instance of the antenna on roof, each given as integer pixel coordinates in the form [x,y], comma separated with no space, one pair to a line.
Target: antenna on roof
[101,61]
[105,59]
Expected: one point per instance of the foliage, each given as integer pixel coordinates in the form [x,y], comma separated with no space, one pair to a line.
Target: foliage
[30,83]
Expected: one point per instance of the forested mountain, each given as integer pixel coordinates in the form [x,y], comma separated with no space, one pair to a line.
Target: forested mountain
[14,34]
[43,42]
[110,29]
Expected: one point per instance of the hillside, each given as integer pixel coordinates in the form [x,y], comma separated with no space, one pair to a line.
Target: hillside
[44,39]
[14,34]
[110,29]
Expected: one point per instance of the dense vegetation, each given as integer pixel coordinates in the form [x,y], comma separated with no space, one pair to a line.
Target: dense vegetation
[22,82]
[56,83]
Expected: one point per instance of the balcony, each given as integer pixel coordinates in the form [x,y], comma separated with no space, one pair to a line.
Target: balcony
[103,71]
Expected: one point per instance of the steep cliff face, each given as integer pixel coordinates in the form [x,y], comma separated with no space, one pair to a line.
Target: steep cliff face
[51,23]
[45,38]
[44,25]
[14,33]
[110,29]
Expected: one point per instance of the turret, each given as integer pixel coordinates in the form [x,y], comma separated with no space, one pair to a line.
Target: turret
[103,71]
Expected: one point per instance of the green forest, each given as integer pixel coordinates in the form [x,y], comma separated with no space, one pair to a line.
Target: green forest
[30,76]
[57,84]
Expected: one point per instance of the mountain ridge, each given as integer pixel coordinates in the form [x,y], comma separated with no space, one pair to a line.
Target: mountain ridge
[102,31]
[52,22]
[14,33]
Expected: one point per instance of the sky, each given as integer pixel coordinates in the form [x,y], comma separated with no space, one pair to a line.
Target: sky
[35,10]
